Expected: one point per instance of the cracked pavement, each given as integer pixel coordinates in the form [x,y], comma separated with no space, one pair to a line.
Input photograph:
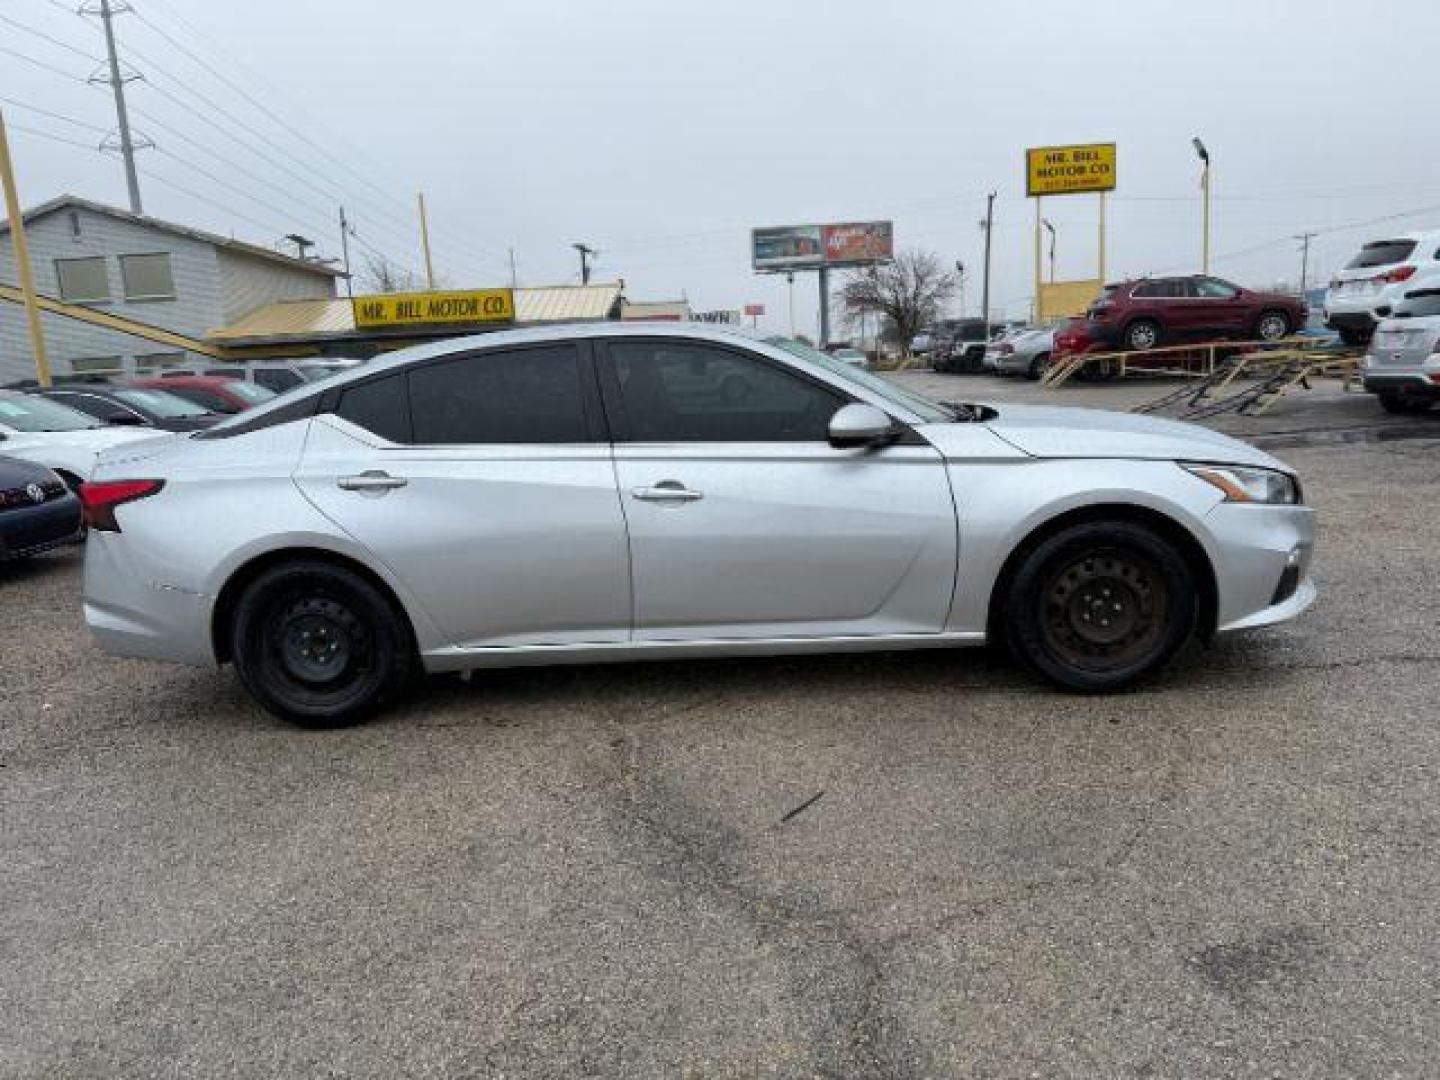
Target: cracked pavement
[590,871]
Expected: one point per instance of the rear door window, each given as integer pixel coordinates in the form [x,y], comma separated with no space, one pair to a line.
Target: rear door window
[1160,288]
[1421,304]
[502,396]
[1381,253]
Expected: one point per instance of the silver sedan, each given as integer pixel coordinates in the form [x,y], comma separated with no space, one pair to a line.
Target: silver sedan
[617,491]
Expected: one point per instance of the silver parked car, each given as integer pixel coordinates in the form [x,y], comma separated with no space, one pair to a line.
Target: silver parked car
[1402,366]
[620,491]
[1025,352]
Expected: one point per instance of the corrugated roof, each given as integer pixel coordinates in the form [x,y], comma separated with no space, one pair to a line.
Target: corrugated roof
[330,318]
[229,243]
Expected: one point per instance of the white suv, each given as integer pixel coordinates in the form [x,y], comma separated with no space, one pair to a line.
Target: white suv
[1375,280]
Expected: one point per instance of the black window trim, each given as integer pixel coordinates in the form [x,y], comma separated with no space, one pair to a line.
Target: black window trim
[615,407]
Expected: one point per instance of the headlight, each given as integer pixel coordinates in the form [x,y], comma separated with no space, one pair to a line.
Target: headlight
[1242,484]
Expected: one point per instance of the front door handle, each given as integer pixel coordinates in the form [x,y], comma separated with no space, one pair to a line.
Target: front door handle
[371,480]
[665,491]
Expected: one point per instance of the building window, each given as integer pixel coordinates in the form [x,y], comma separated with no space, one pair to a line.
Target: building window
[83,281]
[158,360]
[96,365]
[147,277]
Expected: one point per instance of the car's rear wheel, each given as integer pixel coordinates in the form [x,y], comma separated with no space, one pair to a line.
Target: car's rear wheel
[1272,326]
[1099,605]
[1142,334]
[1393,401]
[320,645]
[1037,366]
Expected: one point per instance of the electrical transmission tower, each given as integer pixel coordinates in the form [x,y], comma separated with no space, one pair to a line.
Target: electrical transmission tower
[124,139]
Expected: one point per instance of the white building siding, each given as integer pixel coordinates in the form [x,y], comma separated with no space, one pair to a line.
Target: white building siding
[247,283]
[212,287]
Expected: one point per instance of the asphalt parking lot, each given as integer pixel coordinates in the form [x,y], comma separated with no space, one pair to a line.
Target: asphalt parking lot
[895,866]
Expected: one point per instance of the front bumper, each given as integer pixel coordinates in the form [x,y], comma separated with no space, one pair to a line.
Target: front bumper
[29,530]
[1256,545]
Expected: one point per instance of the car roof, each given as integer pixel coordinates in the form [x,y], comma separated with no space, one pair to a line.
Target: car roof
[159,382]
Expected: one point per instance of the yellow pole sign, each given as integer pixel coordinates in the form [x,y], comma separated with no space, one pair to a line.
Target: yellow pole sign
[434,308]
[1070,170]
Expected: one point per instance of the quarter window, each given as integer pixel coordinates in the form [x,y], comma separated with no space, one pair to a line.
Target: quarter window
[683,392]
[511,396]
[380,406]
[82,280]
[147,277]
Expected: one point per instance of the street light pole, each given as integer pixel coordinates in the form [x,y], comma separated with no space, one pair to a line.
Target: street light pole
[1205,203]
[1051,230]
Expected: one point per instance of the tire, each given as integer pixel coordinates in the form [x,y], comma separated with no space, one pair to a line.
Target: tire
[1142,334]
[1403,404]
[1069,592]
[319,645]
[1354,337]
[1272,326]
[1037,367]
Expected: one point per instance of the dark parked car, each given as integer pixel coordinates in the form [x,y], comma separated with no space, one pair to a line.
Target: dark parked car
[37,510]
[959,344]
[134,406]
[1160,311]
[218,393]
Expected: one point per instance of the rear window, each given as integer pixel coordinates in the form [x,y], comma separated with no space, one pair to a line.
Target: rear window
[1381,253]
[1420,303]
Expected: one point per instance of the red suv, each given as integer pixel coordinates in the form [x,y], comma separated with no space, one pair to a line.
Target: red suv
[219,393]
[1153,311]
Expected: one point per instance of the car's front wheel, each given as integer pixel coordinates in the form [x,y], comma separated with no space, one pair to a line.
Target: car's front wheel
[1099,605]
[319,644]
[1037,366]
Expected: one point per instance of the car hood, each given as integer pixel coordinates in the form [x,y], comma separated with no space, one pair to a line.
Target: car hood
[1049,432]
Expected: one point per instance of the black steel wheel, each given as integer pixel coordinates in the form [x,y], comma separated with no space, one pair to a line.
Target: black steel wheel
[1037,367]
[1099,605]
[319,644]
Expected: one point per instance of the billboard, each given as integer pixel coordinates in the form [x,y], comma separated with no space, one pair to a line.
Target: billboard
[856,242]
[433,308]
[809,247]
[1069,170]
[1066,299]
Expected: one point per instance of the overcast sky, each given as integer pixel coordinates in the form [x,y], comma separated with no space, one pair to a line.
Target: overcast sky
[660,132]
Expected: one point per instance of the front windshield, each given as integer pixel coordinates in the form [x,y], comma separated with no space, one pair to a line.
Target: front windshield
[922,407]
[161,403]
[22,412]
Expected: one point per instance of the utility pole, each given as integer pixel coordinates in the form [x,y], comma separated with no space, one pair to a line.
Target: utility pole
[345,253]
[22,259]
[989,226]
[128,142]
[512,268]
[960,284]
[425,242]
[790,282]
[586,254]
[1305,239]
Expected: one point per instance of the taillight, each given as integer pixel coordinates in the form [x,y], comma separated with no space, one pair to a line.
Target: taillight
[1400,273]
[99,498]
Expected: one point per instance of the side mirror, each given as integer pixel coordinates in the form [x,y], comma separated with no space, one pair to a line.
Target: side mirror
[861,425]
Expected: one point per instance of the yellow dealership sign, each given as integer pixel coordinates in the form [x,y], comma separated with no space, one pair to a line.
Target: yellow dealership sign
[434,308]
[1069,170]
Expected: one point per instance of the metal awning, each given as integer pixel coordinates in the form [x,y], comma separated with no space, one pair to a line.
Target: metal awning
[299,322]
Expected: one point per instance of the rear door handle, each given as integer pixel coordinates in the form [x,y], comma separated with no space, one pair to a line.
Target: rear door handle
[371,480]
[665,491]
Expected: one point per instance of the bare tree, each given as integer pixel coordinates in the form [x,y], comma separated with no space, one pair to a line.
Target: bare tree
[908,292]
[381,275]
